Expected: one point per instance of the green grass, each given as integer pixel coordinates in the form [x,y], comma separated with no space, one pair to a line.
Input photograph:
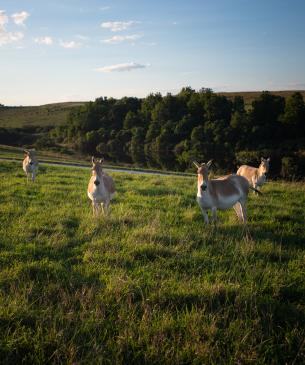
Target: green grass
[34,116]
[150,283]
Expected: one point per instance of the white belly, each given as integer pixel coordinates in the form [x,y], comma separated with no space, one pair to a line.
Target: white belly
[206,202]
[98,195]
[228,202]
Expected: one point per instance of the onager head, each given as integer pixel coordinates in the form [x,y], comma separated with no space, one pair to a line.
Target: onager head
[203,174]
[97,170]
[30,156]
[264,166]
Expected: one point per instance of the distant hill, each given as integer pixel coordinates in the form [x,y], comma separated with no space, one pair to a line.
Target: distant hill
[249,96]
[55,114]
[33,116]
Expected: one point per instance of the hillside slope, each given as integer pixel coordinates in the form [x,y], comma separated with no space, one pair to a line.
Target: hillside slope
[249,96]
[55,114]
[33,116]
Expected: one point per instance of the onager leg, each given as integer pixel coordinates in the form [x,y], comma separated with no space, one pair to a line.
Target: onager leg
[106,207]
[214,214]
[243,211]
[238,211]
[95,208]
[205,215]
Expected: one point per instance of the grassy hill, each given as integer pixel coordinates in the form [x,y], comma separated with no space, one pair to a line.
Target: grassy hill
[150,283]
[249,96]
[42,115]
[55,114]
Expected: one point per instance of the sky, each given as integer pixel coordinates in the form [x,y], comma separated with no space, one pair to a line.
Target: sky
[76,50]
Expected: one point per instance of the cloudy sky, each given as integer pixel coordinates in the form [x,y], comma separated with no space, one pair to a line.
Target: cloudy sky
[70,50]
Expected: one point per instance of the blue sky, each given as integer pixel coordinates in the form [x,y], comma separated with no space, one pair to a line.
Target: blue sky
[70,50]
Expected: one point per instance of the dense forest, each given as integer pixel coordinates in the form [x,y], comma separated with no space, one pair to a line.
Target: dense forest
[170,131]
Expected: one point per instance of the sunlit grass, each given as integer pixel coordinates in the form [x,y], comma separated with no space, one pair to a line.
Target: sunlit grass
[150,283]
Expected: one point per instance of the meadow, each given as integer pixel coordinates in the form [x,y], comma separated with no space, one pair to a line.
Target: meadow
[150,283]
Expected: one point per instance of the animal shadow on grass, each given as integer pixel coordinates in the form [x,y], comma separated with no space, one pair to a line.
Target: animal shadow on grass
[210,301]
[263,232]
[150,254]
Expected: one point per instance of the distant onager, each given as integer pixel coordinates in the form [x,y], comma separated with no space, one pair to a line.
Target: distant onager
[30,164]
[255,176]
[227,192]
[100,188]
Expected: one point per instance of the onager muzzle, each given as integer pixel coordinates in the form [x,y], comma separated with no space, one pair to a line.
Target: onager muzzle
[96,182]
[203,187]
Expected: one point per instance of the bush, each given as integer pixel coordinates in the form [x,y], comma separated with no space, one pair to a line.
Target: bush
[293,167]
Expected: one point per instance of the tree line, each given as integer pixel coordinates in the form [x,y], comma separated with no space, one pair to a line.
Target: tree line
[170,131]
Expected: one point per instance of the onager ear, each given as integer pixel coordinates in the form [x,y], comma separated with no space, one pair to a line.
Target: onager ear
[268,159]
[209,164]
[262,159]
[26,152]
[196,164]
[101,160]
[92,160]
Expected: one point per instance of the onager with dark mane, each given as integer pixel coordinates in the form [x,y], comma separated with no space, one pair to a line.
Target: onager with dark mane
[30,164]
[100,188]
[255,176]
[230,191]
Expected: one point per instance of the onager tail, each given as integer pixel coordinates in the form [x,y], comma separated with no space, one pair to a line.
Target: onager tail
[257,191]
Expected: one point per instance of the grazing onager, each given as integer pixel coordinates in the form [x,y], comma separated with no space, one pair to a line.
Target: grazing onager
[30,164]
[255,176]
[230,191]
[100,188]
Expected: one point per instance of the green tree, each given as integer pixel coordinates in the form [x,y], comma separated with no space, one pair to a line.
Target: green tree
[294,116]
[137,146]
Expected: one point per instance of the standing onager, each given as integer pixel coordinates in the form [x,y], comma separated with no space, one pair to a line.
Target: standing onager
[100,188]
[30,164]
[255,176]
[230,191]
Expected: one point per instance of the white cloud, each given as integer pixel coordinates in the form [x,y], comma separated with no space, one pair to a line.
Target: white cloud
[121,67]
[122,38]
[5,36]
[103,8]
[70,44]
[9,37]
[118,26]
[20,18]
[3,19]
[48,41]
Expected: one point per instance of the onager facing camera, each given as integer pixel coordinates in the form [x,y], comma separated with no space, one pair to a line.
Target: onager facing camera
[230,191]
[255,176]
[100,188]
[30,164]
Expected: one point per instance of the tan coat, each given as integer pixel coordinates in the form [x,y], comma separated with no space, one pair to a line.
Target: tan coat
[227,192]
[255,176]
[30,164]
[101,188]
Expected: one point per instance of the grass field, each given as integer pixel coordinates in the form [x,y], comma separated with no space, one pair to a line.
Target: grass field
[150,283]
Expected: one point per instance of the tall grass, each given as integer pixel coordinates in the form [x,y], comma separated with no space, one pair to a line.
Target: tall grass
[150,283]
